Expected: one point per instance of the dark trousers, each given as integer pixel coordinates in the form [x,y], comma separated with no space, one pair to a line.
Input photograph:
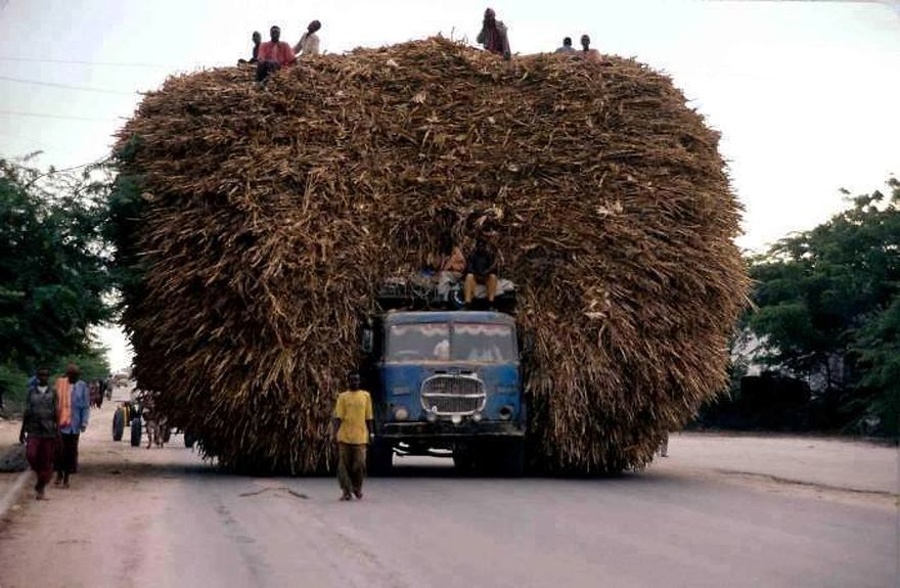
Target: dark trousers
[67,456]
[264,68]
[351,467]
[39,452]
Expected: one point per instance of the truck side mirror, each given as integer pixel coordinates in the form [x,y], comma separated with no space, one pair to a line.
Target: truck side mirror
[367,340]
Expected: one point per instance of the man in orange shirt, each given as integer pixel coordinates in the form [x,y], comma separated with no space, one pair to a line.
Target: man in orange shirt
[273,55]
[353,426]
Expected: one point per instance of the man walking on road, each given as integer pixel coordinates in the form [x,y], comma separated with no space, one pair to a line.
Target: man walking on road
[353,423]
[39,423]
[74,412]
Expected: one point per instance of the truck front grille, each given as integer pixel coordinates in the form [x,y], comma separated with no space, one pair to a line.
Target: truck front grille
[448,395]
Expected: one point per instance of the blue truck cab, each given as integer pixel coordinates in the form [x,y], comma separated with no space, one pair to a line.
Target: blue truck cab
[446,383]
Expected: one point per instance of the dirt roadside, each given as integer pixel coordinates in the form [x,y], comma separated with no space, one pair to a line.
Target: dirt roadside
[822,468]
[12,454]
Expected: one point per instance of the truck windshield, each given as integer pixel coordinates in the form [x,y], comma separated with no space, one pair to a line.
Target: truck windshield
[481,342]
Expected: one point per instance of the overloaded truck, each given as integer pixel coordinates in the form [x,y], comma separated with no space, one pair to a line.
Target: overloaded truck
[445,381]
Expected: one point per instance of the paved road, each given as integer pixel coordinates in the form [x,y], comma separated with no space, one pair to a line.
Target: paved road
[137,517]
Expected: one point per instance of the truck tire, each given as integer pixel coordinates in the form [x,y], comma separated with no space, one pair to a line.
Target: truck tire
[118,424]
[511,456]
[136,432]
[464,460]
[380,459]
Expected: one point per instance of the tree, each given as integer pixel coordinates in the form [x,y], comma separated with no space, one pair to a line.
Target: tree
[826,305]
[52,264]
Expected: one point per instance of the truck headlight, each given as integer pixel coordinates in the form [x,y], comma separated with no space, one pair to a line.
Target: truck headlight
[400,413]
[456,419]
[506,412]
[477,417]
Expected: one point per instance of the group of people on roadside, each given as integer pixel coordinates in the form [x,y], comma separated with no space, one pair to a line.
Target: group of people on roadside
[55,416]
[274,54]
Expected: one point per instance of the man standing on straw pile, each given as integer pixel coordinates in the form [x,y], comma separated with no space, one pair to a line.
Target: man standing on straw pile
[39,423]
[309,42]
[353,423]
[273,55]
[493,35]
[74,412]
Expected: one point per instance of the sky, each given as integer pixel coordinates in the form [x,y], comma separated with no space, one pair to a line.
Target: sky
[804,93]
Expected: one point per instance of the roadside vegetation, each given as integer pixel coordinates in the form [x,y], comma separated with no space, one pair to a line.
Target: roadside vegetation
[53,273]
[825,329]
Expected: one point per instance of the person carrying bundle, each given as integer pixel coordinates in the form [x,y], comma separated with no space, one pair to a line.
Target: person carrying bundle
[74,413]
[273,55]
[493,35]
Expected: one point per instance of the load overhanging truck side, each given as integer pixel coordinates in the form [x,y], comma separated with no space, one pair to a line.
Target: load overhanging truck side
[445,382]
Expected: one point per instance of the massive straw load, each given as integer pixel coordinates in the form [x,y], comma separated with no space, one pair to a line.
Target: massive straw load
[269,215]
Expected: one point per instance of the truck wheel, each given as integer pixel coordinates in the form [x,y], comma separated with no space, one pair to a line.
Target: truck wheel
[464,459]
[512,458]
[136,432]
[118,424]
[380,458]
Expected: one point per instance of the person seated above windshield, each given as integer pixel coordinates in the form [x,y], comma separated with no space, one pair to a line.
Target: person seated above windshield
[481,268]
[450,265]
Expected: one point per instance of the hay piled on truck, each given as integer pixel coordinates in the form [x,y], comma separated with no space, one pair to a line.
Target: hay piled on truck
[269,215]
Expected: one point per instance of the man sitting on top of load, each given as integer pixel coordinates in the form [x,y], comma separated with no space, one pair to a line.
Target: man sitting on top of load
[481,268]
[493,35]
[273,55]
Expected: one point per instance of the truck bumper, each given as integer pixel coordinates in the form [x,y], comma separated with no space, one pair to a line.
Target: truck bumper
[447,430]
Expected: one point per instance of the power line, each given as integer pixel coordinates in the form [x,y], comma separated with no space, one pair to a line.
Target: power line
[68,87]
[80,62]
[48,115]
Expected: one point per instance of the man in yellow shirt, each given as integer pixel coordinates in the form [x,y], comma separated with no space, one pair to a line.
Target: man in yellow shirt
[353,423]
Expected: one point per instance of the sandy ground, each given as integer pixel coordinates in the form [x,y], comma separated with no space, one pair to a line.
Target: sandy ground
[720,511]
